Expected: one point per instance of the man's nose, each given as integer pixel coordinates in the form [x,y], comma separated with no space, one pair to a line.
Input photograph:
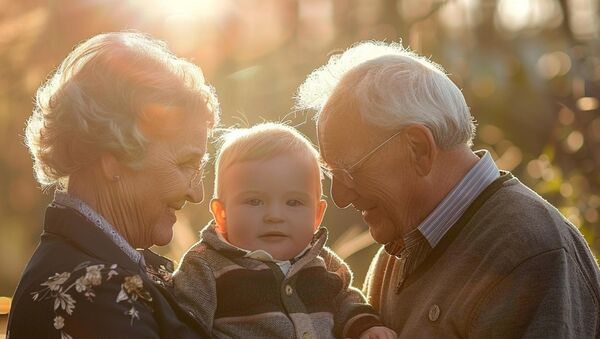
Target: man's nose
[342,195]
[195,194]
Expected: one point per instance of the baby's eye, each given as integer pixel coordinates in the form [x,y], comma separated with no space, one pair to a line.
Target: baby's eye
[295,202]
[253,202]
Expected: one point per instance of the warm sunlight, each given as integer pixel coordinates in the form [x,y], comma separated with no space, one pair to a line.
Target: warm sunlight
[181,13]
[112,229]
[516,15]
[190,8]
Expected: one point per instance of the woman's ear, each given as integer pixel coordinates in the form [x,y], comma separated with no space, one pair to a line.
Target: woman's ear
[321,207]
[422,148]
[217,208]
[111,167]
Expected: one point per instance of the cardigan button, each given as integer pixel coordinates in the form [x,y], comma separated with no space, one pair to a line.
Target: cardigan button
[306,335]
[288,290]
[434,312]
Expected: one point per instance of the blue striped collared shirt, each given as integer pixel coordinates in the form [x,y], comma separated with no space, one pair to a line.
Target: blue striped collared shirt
[449,210]
[417,244]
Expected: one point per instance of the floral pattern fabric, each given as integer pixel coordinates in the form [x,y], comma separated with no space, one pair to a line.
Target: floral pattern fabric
[63,288]
[86,286]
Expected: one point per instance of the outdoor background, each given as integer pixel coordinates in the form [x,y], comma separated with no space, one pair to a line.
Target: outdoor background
[530,70]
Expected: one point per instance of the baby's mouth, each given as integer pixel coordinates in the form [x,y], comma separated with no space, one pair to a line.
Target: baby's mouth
[273,236]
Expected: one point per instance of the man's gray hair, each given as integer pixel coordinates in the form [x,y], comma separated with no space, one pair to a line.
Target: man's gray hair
[392,87]
[91,103]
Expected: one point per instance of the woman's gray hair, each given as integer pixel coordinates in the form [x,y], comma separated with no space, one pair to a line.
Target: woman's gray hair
[91,103]
[392,87]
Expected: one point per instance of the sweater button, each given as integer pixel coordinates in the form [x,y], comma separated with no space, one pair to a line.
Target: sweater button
[306,335]
[434,312]
[288,290]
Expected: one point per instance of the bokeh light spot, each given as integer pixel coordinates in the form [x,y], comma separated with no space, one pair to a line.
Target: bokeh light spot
[535,168]
[548,174]
[553,64]
[594,201]
[566,189]
[517,15]
[591,215]
[587,103]
[566,116]
[510,159]
[490,134]
[574,142]
[583,14]
[4,305]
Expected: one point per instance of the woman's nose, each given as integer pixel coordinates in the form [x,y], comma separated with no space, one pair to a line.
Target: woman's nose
[341,195]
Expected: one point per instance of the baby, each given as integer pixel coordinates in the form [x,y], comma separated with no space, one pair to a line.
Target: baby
[262,269]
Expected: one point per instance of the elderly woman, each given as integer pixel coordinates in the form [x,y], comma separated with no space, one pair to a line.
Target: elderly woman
[120,129]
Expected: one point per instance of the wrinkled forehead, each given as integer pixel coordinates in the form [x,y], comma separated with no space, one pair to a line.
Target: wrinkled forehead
[342,136]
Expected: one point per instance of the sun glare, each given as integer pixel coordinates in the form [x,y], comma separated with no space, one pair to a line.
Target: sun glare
[516,15]
[187,10]
[196,8]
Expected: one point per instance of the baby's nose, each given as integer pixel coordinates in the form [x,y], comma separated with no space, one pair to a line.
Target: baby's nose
[273,215]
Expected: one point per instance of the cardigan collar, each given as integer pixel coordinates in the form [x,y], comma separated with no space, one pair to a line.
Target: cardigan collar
[65,199]
[83,234]
[70,224]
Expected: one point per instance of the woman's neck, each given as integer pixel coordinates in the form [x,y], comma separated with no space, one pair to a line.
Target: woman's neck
[107,199]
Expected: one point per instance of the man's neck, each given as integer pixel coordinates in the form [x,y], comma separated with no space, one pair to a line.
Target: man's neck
[448,170]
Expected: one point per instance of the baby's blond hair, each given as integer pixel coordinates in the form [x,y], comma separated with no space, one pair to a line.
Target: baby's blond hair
[262,142]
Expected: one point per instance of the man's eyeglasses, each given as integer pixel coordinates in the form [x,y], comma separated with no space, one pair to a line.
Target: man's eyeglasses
[198,174]
[345,174]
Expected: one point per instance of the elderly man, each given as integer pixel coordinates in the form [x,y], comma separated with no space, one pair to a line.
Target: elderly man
[469,250]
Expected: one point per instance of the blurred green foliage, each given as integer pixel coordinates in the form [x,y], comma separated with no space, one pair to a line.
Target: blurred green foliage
[530,70]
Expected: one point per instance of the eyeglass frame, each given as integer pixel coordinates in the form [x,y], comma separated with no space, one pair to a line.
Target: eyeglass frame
[346,172]
[198,172]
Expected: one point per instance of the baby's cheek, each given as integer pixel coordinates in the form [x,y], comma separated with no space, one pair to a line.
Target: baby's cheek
[237,235]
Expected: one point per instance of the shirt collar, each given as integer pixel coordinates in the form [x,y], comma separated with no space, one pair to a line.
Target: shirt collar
[62,198]
[449,210]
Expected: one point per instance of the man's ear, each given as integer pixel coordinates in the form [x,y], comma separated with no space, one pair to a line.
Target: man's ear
[422,148]
[217,208]
[321,207]
[112,170]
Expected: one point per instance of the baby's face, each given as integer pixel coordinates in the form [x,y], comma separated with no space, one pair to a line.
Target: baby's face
[271,205]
